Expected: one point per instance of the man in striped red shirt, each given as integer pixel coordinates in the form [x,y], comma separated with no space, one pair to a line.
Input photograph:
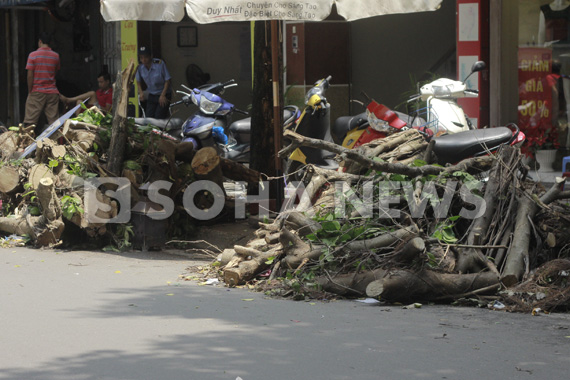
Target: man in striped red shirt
[42,91]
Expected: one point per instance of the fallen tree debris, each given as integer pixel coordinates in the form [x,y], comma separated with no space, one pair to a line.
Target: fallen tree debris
[427,233]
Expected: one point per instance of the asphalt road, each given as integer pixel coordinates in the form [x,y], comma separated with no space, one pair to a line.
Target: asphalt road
[95,315]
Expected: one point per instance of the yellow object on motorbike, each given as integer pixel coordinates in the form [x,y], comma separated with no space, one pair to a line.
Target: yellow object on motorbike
[352,137]
[298,155]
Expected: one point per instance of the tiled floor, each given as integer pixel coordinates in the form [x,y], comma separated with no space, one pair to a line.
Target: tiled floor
[547,177]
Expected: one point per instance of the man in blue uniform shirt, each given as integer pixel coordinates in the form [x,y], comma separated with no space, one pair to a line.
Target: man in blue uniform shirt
[157,79]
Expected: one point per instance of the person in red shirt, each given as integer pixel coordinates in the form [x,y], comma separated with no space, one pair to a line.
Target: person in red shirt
[102,98]
[43,95]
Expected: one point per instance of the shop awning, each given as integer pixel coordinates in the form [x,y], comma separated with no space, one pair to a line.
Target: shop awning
[13,3]
[209,11]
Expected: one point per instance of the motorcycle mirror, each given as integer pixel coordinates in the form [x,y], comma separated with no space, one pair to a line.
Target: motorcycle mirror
[477,66]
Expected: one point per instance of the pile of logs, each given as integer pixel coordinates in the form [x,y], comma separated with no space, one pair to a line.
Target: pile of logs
[410,257]
[57,170]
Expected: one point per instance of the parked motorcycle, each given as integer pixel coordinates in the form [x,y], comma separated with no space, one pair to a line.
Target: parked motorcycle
[441,114]
[210,125]
[313,122]
[442,118]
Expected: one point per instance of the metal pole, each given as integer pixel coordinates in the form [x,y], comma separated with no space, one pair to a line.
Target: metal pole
[277,114]
[9,90]
[15,69]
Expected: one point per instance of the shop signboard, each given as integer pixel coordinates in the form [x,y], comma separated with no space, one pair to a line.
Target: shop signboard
[535,93]
[129,49]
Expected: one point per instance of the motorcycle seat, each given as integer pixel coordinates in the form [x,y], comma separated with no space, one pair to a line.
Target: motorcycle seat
[164,124]
[455,147]
[344,124]
[243,126]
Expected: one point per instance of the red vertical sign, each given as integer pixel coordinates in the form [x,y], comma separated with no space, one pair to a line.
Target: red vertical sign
[473,45]
[535,94]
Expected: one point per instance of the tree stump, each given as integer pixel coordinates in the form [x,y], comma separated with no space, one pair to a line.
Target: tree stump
[37,173]
[9,179]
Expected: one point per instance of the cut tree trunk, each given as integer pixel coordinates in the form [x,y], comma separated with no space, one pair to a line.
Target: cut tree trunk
[47,150]
[76,185]
[8,144]
[410,250]
[517,257]
[119,128]
[9,179]
[351,284]
[247,269]
[44,230]
[37,173]
[238,172]
[427,285]
[206,166]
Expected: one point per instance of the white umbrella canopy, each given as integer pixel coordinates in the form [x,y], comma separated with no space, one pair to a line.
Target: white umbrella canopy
[209,11]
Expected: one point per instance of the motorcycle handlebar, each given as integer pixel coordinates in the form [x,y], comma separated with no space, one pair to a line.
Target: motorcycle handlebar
[472,91]
[240,111]
[176,103]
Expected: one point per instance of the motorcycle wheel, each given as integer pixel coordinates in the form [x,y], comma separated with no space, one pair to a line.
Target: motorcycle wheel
[295,171]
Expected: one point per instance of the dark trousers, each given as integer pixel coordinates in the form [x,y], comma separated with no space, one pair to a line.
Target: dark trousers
[154,109]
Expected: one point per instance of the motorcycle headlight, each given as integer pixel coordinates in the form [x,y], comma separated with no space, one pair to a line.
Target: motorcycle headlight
[378,124]
[209,107]
[441,91]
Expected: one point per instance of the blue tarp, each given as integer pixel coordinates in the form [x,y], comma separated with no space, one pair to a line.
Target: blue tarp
[12,3]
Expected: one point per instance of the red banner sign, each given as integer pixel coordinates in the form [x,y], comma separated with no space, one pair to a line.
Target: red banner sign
[535,88]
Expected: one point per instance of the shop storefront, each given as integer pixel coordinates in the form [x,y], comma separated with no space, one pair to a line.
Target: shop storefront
[544,81]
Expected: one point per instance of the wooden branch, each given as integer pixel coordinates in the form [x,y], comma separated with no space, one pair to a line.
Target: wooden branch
[350,284]
[518,254]
[381,241]
[296,250]
[247,269]
[472,259]
[478,163]
[410,250]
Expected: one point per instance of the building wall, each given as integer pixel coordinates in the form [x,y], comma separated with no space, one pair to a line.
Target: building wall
[223,51]
[390,53]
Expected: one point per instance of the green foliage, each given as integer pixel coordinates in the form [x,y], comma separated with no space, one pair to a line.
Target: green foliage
[70,206]
[94,118]
[132,165]
[121,235]
[444,230]
[76,167]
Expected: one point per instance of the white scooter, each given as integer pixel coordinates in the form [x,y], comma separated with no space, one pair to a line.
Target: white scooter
[444,114]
